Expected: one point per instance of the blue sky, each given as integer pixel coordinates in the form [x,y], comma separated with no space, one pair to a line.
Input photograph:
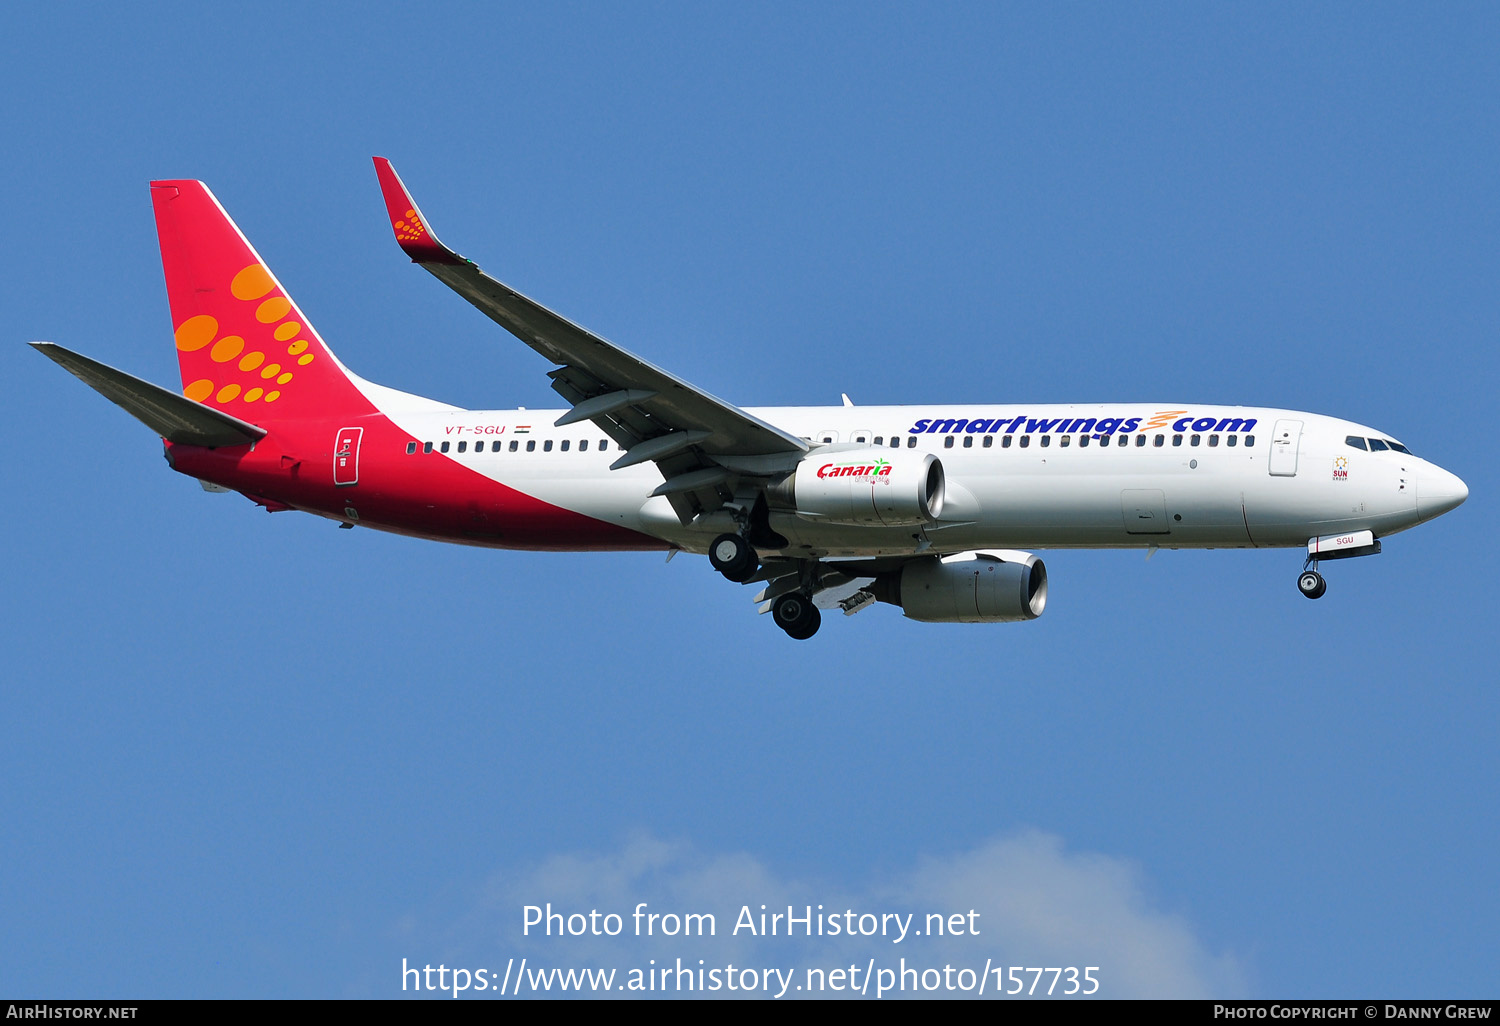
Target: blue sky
[251,755]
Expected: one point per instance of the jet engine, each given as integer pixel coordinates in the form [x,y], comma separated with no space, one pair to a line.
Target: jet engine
[890,487]
[989,586]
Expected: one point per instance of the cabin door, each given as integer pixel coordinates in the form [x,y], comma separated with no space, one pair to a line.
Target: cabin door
[1284,443]
[346,456]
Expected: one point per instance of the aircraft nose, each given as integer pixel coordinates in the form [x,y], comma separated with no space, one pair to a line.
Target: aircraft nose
[1438,491]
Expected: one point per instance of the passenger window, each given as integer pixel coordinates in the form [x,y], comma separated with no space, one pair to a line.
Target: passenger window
[895,442]
[1356,442]
[1176,439]
[1232,440]
[411,448]
[603,444]
[968,441]
[948,442]
[426,447]
[911,441]
[1005,442]
[444,446]
[1083,440]
[1124,440]
[1047,440]
[989,440]
[1026,440]
[1160,441]
[531,445]
[1376,445]
[1140,440]
[565,445]
[1065,440]
[462,446]
[859,438]
[880,439]
[1197,439]
[1249,441]
[1213,441]
[514,445]
[583,445]
[547,445]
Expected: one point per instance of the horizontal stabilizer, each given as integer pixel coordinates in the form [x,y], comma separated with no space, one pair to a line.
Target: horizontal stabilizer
[172,416]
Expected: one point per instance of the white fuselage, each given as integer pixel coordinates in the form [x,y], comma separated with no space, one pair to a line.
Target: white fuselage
[1083,476]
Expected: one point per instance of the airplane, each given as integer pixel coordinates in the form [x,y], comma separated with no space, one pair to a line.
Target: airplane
[933,509]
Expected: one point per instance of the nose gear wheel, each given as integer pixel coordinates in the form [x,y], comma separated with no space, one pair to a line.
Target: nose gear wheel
[1311,584]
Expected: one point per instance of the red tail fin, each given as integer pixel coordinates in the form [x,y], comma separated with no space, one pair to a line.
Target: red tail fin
[243,346]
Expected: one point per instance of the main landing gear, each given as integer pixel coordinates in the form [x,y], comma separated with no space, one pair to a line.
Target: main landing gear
[796,614]
[734,557]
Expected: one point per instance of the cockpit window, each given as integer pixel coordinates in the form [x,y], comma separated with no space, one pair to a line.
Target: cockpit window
[1398,447]
[1355,441]
[1376,445]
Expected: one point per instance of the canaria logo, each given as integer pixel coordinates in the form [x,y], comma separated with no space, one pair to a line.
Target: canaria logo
[263,372]
[870,472]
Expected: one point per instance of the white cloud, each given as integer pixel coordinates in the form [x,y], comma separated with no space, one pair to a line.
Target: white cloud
[1053,907]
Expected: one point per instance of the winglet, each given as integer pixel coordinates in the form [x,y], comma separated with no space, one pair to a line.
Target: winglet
[412,232]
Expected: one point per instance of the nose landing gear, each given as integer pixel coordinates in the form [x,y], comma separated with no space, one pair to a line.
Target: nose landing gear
[1333,546]
[1311,584]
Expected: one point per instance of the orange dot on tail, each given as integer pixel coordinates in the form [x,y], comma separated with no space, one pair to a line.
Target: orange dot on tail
[271,370]
[196,332]
[227,348]
[199,390]
[305,359]
[273,309]
[252,361]
[297,346]
[251,283]
[284,378]
[227,393]
[254,394]
[287,330]
[271,397]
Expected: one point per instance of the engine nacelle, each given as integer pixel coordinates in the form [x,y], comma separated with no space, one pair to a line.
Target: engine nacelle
[890,487]
[992,586]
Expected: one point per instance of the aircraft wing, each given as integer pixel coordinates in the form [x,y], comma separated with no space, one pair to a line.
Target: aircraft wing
[697,440]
